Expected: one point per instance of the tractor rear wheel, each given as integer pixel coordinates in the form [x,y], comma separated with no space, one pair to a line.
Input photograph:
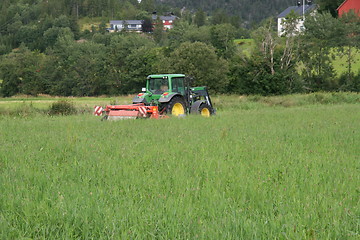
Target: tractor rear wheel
[176,106]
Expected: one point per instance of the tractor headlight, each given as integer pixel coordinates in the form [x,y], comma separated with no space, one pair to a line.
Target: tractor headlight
[141,95]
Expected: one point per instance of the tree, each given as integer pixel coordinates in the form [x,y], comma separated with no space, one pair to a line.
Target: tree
[351,44]
[200,61]
[62,22]
[222,38]
[52,34]
[20,71]
[323,33]
[140,63]
[147,5]
[267,40]
[251,75]
[220,17]
[271,68]
[329,6]
[147,26]
[200,18]
[185,32]
[77,69]
[290,50]
[102,27]
[119,57]
[158,32]
[30,35]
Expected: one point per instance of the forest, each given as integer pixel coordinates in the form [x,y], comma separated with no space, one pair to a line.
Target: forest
[44,48]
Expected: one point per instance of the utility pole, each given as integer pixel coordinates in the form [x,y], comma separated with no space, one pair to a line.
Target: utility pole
[303,10]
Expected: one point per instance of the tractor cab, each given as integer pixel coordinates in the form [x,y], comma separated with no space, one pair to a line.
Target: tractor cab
[158,85]
[162,86]
[172,83]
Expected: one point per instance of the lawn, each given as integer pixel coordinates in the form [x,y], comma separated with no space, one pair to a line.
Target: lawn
[340,63]
[246,47]
[87,23]
[259,169]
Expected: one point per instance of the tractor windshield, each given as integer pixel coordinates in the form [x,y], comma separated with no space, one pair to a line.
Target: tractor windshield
[158,85]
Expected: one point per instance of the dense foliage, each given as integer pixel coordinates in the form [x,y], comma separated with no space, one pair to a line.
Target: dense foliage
[248,10]
[43,51]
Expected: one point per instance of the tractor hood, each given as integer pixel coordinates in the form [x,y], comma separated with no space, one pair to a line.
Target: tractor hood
[142,98]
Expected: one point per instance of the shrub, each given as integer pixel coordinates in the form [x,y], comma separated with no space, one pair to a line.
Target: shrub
[62,107]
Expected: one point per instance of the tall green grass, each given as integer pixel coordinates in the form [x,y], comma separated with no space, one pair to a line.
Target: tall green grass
[262,173]
[28,106]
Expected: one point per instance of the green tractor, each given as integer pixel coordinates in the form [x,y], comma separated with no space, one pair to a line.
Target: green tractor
[172,94]
[165,94]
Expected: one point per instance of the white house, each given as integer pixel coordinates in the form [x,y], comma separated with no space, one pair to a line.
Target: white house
[129,25]
[301,10]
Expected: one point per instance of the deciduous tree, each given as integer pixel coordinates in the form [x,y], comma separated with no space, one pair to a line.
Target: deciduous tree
[200,61]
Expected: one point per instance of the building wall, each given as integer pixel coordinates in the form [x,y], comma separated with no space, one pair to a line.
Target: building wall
[348,5]
[130,27]
[299,26]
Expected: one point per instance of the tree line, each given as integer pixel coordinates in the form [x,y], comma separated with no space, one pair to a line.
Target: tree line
[54,57]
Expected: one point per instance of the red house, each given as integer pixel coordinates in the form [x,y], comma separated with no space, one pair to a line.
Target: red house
[166,20]
[348,5]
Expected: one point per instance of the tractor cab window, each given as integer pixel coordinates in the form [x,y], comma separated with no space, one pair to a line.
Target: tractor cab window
[178,85]
[158,85]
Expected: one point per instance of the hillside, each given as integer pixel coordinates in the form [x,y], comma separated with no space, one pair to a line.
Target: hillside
[249,10]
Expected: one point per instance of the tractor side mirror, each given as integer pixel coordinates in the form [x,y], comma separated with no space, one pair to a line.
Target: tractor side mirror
[143,89]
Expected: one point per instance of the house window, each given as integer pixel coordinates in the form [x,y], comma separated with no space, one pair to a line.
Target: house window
[132,25]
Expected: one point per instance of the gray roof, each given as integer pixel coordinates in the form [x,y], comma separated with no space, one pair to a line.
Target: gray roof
[120,22]
[298,10]
[164,18]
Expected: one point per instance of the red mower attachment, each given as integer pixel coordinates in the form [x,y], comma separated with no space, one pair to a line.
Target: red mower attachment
[133,111]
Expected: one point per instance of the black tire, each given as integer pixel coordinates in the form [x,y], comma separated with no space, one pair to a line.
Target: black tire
[174,106]
[205,110]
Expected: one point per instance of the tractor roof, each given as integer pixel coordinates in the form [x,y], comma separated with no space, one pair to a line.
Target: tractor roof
[165,75]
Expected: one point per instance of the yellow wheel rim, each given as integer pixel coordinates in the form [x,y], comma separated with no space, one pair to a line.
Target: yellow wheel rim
[205,112]
[177,109]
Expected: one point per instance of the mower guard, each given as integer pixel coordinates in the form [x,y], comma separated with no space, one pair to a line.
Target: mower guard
[132,111]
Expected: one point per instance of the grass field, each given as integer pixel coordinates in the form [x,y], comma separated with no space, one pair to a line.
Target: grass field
[262,168]
[247,46]
[87,23]
[341,65]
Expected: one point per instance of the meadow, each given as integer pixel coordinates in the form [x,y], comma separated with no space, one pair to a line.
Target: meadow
[338,58]
[263,168]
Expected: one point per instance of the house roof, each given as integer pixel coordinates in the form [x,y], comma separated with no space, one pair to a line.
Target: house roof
[120,22]
[164,18]
[298,10]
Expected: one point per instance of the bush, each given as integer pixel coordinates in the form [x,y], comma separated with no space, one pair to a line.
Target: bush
[62,107]
[252,76]
[350,82]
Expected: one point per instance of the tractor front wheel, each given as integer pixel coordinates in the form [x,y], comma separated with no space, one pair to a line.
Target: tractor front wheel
[205,110]
[176,106]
